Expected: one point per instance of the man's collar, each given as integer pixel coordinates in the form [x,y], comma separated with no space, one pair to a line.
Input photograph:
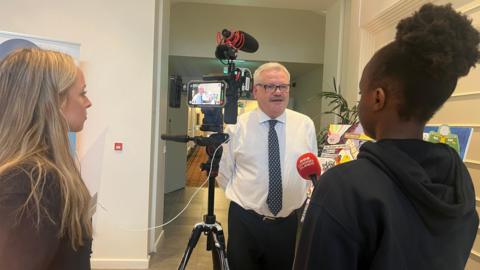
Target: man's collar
[262,117]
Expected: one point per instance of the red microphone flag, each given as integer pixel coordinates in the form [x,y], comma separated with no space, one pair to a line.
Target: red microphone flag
[308,166]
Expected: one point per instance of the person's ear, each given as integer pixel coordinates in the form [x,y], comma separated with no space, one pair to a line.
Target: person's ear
[255,90]
[379,97]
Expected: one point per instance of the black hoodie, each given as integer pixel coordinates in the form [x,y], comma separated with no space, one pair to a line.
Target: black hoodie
[403,204]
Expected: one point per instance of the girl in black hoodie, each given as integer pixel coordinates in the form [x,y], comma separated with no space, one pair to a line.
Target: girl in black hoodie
[405,203]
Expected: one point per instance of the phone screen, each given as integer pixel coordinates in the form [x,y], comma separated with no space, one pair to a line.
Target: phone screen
[206,93]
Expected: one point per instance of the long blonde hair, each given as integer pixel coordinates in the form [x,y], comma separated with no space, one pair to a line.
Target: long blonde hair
[34,135]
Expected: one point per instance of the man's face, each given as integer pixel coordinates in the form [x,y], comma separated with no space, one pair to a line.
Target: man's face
[201,90]
[272,102]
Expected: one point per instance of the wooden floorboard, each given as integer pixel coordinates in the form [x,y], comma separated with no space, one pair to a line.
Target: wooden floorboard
[196,177]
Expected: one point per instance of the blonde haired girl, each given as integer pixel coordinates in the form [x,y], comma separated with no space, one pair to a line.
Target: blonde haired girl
[44,220]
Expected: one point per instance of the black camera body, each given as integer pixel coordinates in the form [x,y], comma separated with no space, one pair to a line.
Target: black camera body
[215,93]
[227,88]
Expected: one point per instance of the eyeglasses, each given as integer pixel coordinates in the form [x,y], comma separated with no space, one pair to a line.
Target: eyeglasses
[272,87]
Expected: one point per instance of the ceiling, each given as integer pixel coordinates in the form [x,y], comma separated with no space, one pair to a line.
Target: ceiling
[318,6]
[195,67]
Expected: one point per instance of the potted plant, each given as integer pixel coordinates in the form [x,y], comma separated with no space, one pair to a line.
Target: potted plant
[338,106]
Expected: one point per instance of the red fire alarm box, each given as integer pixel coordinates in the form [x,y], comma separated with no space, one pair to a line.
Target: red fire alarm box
[118,146]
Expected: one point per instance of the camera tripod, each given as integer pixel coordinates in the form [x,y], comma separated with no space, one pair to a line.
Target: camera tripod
[214,232]
[209,227]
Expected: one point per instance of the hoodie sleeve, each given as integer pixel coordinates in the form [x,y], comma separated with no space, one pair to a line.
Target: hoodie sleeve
[324,243]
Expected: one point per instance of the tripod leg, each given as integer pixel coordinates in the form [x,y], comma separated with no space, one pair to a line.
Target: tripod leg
[219,256]
[192,242]
[222,259]
[212,246]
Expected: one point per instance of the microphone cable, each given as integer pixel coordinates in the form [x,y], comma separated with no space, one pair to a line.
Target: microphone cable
[307,203]
[183,210]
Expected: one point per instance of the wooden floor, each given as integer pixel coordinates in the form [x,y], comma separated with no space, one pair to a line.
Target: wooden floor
[196,177]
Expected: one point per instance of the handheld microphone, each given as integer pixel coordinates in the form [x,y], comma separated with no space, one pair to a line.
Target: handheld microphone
[241,41]
[309,168]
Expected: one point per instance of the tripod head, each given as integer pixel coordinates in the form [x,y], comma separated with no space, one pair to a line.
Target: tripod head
[215,139]
[211,143]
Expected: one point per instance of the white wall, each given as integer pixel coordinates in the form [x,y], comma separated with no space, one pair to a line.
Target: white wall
[370,24]
[158,123]
[372,8]
[306,93]
[350,67]
[333,44]
[177,121]
[283,35]
[332,55]
[117,39]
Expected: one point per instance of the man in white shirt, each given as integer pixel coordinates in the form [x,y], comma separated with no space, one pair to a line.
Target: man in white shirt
[200,97]
[258,173]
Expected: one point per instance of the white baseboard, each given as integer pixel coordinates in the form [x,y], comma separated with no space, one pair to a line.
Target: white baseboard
[98,263]
[120,263]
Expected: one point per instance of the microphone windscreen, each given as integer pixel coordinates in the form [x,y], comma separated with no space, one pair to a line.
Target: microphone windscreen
[250,44]
[308,165]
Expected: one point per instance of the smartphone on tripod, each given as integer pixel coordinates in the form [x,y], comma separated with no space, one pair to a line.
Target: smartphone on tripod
[216,93]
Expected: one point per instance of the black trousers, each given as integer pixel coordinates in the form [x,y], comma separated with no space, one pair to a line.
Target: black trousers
[258,244]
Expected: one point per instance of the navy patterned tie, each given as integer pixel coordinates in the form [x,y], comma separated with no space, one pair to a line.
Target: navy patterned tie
[274,198]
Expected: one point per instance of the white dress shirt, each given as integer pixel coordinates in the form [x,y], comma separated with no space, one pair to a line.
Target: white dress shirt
[243,172]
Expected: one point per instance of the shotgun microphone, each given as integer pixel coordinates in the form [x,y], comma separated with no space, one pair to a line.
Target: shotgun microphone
[240,41]
[229,43]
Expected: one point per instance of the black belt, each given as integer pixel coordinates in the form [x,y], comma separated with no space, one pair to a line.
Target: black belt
[267,219]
